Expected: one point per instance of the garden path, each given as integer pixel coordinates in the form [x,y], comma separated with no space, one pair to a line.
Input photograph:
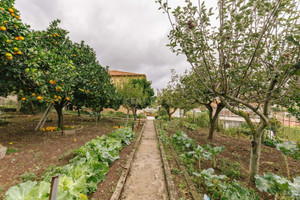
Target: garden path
[146,178]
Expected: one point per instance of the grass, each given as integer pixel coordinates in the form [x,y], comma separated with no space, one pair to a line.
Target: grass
[12,150]
[290,133]
[29,176]
[231,169]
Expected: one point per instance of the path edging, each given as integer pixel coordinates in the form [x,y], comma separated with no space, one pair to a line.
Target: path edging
[187,177]
[122,180]
[166,169]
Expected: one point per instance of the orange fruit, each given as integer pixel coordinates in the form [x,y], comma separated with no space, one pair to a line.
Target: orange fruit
[16,49]
[8,41]
[12,14]
[4,22]
[23,99]
[33,94]
[3,28]
[17,38]
[68,99]
[21,37]
[11,10]
[17,16]
[8,55]
[19,52]
[9,58]
[39,98]
[1,8]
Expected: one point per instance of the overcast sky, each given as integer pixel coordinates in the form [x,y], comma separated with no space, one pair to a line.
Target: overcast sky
[128,35]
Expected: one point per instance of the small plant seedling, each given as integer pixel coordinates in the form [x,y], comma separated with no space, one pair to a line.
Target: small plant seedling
[214,151]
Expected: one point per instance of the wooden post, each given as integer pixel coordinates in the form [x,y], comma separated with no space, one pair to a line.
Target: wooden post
[44,118]
[54,188]
[283,120]
[194,116]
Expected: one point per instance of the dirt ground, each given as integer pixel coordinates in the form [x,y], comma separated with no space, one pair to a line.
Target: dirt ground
[238,150]
[146,178]
[39,150]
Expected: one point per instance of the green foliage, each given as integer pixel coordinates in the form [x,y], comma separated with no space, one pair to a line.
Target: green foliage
[182,141]
[289,148]
[220,188]
[30,176]
[136,94]
[214,152]
[13,45]
[189,126]
[82,175]
[279,186]
[271,142]
[21,191]
[231,169]
[12,150]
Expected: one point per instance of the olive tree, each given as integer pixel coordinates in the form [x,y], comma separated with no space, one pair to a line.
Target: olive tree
[244,59]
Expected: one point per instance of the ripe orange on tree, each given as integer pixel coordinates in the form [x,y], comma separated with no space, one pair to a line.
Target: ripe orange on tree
[3,28]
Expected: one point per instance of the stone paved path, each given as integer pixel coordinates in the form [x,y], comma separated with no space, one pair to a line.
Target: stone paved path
[146,178]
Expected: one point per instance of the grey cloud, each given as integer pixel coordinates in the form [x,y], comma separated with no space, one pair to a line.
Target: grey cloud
[126,35]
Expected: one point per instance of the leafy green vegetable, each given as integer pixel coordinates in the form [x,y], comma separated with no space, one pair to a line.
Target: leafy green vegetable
[20,191]
[82,175]
[278,185]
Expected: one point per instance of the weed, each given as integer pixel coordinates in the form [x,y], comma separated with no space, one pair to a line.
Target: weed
[29,176]
[12,150]
[175,171]
[231,169]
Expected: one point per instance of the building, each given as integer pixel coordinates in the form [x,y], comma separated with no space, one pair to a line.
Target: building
[120,76]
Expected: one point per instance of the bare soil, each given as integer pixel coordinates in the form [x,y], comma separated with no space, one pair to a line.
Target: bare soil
[238,150]
[39,150]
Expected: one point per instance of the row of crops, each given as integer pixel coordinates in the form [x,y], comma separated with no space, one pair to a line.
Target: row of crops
[220,186]
[81,176]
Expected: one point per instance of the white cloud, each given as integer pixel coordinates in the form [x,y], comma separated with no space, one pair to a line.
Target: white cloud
[126,35]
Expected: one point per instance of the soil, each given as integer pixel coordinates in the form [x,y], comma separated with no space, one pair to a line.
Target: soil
[107,188]
[177,176]
[37,151]
[146,178]
[238,150]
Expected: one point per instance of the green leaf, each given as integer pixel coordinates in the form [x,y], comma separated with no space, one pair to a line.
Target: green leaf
[20,191]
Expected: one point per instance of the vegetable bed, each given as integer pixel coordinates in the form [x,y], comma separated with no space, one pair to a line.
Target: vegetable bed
[81,176]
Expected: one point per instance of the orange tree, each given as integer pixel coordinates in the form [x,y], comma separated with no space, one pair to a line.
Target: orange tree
[92,87]
[13,43]
[50,69]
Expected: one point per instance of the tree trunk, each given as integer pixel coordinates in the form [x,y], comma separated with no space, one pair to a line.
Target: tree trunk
[211,129]
[254,158]
[32,108]
[255,151]
[134,110]
[78,111]
[98,116]
[213,118]
[127,116]
[170,116]
[60,115]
